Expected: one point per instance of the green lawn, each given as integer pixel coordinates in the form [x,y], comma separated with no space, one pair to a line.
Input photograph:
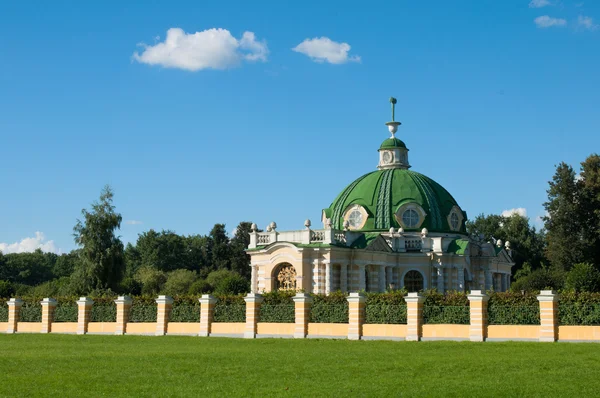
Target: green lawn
[91,366]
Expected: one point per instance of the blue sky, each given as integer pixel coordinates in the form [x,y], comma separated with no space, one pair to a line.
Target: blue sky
[227,126]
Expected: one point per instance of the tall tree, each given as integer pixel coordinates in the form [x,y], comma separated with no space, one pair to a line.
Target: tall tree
[102,265]
[563,222]
[240,261]
[588,185]
[219,247]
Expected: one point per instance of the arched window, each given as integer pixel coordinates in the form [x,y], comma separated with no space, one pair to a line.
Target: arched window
[285,277]
[413,281]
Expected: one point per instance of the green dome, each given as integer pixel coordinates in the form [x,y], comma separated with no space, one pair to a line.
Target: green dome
[381,193]
[392,143]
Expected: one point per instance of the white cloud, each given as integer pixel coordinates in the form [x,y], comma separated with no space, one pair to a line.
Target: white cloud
[28,245]
[323,49]
[547,22]
[586,23]
[134,222]
[209,49]
[519,210]
[538,3]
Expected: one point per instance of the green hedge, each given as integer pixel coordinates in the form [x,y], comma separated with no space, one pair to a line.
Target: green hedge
[278,307]
[143,309]
[329,309]
[512,308]
[31,311]
[385,308]
[3,311]
[66,311]
[230,309]
[579,308]
[103,312]
[185,309]
[449,314]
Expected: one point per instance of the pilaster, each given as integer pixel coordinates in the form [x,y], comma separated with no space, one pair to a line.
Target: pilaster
[362,286]
[207,310]
[164,306]
[123,306]
[381,276]
[14,314]
[344,278]
[302,303]
[328,277]
[548,315]
[84,314]
[253,301]
[48,307]
[478,314]
[414,316]
[356,315]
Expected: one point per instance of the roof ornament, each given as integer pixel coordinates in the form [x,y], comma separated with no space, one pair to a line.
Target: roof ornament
[393,125]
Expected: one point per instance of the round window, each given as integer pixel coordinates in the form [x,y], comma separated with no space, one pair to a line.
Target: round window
[454,221]
[410,218]
[355,218]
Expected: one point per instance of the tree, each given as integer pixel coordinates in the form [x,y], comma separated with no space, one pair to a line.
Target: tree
[583,277]
[588,186]
[219,248]
[179,282]
[102,265]
[563,223]
[240,261]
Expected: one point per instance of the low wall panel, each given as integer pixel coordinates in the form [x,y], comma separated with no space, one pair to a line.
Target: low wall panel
[446,331]
[327,329]
[64,327]
[281,329]
[387,331]
[189,328]
[3,327]
[579,333]
[513,332]
[141,328]
[29,327]
[102,327]
[228,328]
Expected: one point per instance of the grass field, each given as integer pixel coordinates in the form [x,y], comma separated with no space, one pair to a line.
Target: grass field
[93,366]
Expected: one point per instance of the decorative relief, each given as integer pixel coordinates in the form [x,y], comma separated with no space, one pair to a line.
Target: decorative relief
[286,277]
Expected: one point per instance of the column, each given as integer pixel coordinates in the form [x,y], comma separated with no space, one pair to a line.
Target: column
[361,278]
[381,276]
[548,315]
[207,309]
[254,281]
[414,316]
[356,314]
[14,310]
[344,278]
[440,279]
[302,302]
[478,313]
[389,277]
[461,279]
[84,314]
[123,307]
[164,305]
[488,279]
[253,301]
[48,307]
[328,278]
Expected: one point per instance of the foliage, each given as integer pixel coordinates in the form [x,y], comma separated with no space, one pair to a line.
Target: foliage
[101,257]
[3,310]
[540,279]
[104,310]
[450,298]
[329,309]
[386,308]
[278,307]
[201,286]
[31,311]
[511,308]
[451,308]
[583,277]
[179,282]
[230,309]
[143,309]
[185,309]
[6,289]
[579,308]
[233,284]
[66,310]
[27,268]
[151,279]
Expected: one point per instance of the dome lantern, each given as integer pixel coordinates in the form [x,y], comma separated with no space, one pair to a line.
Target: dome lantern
[393,153]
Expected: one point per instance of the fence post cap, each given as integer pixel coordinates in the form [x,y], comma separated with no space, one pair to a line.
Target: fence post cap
[253,298]
[17,302]
[356,297]
[85,301]
[302,297]
[123,300]
[478,295]
[48,302]
[414,297]
[207,299]
[164,300]
[547,295]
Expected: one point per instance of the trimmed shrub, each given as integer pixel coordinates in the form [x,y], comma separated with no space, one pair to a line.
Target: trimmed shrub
[583,277]
[579,308]
[329,309]
[104,310]
[230,309]
[143,309]
[386,308]
[449,308]
[278,307]
[3,310]
[66,310]
[31,311]
[510,308]
[185,309]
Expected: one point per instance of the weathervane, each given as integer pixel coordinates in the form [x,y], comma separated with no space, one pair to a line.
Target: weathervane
[393,125]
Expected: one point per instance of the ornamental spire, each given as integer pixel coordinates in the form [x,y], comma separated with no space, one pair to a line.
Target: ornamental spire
[393,125]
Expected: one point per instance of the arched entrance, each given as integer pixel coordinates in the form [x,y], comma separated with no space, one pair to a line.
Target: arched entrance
[285,277]
[413,281]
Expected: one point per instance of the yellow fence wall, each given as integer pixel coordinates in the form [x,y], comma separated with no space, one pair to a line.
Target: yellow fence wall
[445,331]
[183,328]
[64,327]
[328,329]
[377,330]
[102,327]
[510,332]
[275,328]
